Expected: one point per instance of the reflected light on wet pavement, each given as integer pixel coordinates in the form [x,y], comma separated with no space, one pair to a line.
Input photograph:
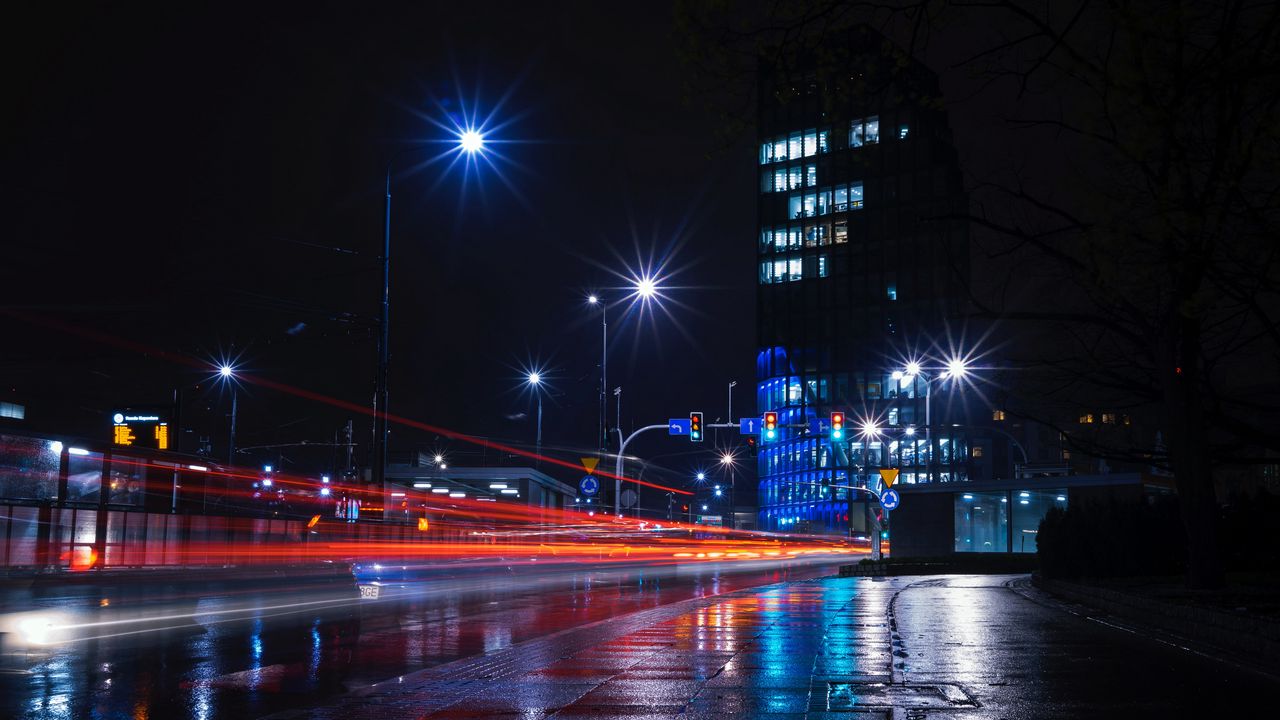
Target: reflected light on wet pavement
[771,645]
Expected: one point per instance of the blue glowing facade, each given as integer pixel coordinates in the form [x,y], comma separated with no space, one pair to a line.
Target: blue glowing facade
[861,266]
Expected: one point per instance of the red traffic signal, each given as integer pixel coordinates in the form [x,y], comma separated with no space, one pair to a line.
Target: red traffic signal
[695,427]
[770,425]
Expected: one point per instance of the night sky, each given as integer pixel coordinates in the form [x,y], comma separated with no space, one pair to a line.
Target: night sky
[208,181]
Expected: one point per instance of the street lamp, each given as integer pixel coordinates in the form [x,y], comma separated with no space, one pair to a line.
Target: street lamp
[604,364]
[956,368]
[869,431]
[228,375]
[726,460]
[535,381]
[646,287]
[469,141]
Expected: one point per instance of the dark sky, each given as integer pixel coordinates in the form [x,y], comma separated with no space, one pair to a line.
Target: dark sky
[174,176]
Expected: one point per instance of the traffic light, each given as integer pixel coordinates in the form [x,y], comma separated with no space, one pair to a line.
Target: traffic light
[771,425]
[837,426]
[752,447]
[695,427]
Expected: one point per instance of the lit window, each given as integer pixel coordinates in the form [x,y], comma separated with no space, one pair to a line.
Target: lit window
[1127,421]
[796,268]
[892,292]
[795,145]
[997,415]
[810,175]
[841,233]
[1108,418]
[903,130]
[810,143]
[977,451]
[864,132]
[766,273]
[822,266]
[855,196]
[1086,419]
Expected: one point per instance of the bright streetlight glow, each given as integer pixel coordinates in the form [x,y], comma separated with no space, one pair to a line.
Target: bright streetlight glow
[471,141]
[869,429]
[913,368]
[439,458]
[702,476]
[726,459]
[225,371]
[646,288]
[911,431]
[534,378]
[593,299]
[956,368]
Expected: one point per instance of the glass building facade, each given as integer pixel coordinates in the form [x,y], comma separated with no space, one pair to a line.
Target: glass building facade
[860,264]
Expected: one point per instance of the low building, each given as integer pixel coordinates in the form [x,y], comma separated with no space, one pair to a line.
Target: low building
[524,486]
[1000,516]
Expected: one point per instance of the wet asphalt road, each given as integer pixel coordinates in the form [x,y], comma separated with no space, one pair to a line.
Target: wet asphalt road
[761,644]
[248,653]
[837,648]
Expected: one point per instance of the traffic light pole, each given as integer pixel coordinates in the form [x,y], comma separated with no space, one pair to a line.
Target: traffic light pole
[617,468]
[622,451]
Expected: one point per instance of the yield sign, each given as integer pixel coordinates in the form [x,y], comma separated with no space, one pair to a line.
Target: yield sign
[888,475]
[590,464]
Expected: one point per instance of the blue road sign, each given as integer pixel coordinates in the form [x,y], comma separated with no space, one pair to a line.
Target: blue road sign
[749,426]
[589,485]
[678,426]
[817,426]
[889,499]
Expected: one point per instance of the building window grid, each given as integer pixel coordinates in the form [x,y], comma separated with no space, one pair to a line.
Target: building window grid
[783,481]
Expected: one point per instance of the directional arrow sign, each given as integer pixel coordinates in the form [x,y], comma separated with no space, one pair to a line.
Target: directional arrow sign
[749,426]
[889,476]
[817,426]
[589,485]
[678,426]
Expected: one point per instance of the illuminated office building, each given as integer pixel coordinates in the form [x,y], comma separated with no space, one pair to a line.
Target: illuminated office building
[862,265]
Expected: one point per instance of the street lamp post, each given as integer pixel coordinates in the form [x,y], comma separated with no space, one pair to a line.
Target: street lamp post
[228,374]
[956,369]
[727,461]
[469,141]
[604,364]
[535,381]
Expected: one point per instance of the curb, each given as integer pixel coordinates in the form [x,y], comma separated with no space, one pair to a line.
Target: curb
[1255,637]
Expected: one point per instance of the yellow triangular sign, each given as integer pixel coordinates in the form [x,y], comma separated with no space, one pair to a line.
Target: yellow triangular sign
[590,464]
[889,475]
